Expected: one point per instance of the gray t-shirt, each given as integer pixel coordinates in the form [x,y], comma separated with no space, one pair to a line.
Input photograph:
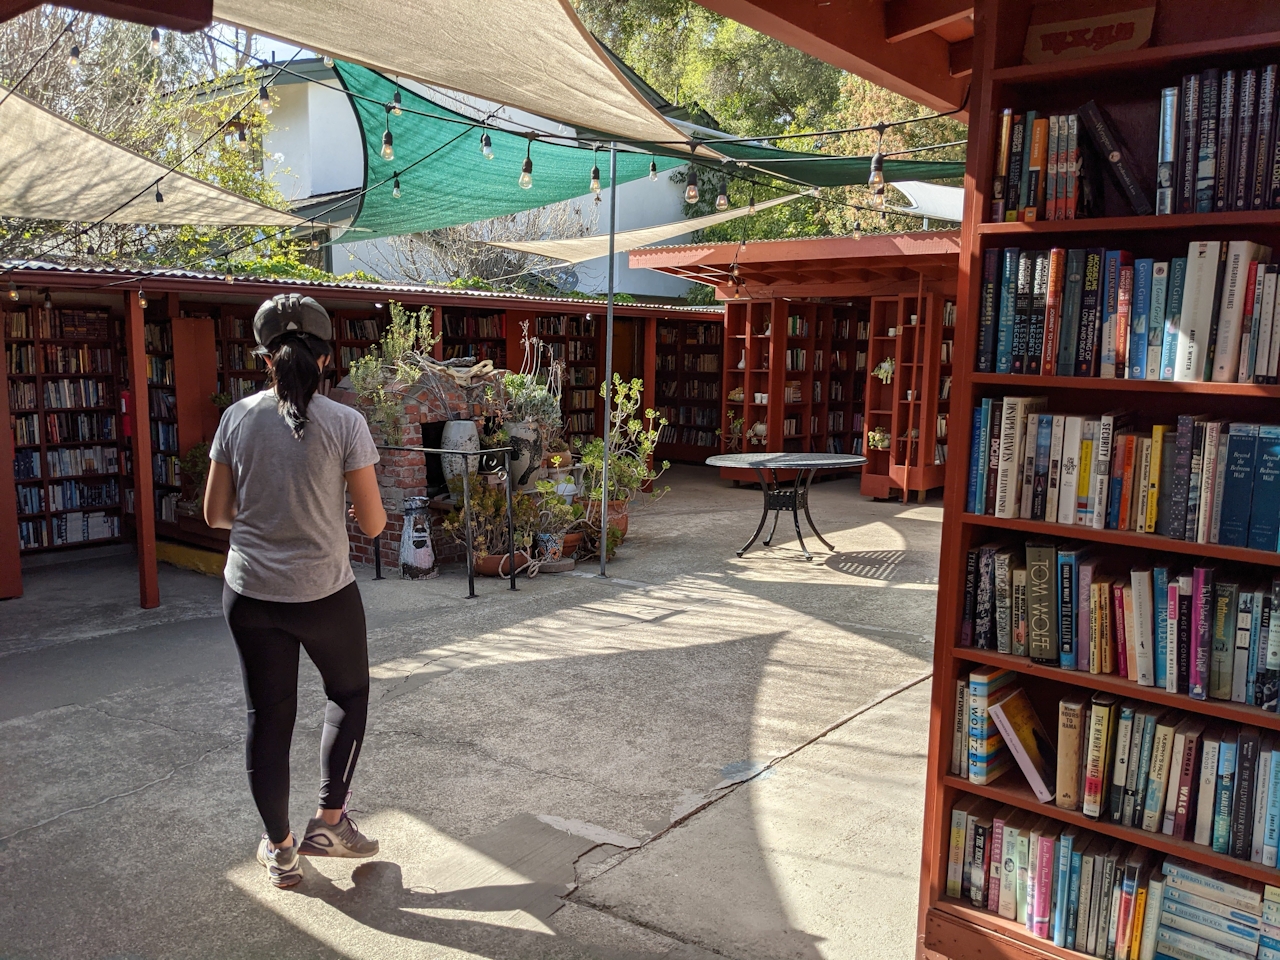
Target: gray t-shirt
[289,537]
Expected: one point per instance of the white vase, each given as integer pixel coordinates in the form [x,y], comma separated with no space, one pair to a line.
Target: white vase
[742,364]
[526,457]
[458,435]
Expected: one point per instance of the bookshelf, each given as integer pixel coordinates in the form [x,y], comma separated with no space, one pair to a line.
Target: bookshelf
[241,372]
[162,399]
[688,386]
[1186,38]
[63,377]
[471,332]
[578,341]
[914,407]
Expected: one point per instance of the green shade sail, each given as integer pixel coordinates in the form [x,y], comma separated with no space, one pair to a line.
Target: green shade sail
[444,178]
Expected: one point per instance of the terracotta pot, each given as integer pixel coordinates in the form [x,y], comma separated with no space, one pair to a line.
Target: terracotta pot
[499,565]
[572,541]
[618,519]
[566,459]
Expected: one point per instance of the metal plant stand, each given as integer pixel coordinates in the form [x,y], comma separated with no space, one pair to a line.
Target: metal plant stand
[466,506]
[777,496]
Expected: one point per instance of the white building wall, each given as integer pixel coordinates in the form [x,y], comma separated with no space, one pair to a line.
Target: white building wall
[290,138]
[337,156]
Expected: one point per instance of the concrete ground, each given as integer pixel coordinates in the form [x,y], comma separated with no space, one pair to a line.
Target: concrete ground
[703,756]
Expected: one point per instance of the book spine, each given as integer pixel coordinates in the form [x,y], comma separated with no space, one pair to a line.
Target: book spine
[1140,318]
[1224,789]
[1095,764]
[1172,318]
[1228,90]
[1070,744]
[1242,164]
[1053,311]
[1037,170]
[1207,792]
[1045,864]
[1165,152]
[1102,470]
[1007,318]
[989,312]
[1013,187]
[1042,602]
[1038,320]
[1188,143]
[1039,499]
[1000,180]
[1069,316]
[1022,311]
[1108,310]
[970,598]
[1261,174]
[1117,157]
[1155,318]
[1207,144]
[1073,167]
[1056,435]
[1088,329]
[1188,782]
[1201,632]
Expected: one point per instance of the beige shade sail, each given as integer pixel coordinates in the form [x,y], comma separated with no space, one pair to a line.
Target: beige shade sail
[582,249]
[53,169]
[531,54]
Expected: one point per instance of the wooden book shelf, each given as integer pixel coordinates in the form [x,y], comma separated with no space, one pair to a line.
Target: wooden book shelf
[1187,37]
[689,358]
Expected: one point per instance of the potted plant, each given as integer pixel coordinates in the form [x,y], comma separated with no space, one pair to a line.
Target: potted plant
[555,517]
[632,441]
[527,408]
[490,542]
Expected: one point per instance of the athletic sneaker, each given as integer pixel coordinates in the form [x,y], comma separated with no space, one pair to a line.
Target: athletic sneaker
[284,868]
[342,839]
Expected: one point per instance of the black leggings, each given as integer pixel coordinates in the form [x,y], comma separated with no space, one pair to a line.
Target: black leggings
[268,634]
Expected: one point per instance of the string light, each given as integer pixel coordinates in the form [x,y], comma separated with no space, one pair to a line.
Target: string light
[595,180]
[396,103]
[13,290]
[526,168]
[751,207]
[857,229]
[242,139]
[73,55]
[879,198]
[315,242]
[722,199]
[142,299]
[155,41]
[733,269]
[691,191]
[228,277]
[48,301]
[877,161]
[90,250]
[264,99]
[388,152]
[486,145]
[159,195]
[653,170]
[395,186]
[328,61]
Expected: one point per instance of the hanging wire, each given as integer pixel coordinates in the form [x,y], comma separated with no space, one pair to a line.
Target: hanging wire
[39,60]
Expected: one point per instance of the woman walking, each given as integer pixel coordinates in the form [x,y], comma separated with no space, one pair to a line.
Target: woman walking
[282,460]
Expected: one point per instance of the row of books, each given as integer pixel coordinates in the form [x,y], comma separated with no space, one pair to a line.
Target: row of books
[586,399]
[581,423]
[26,428]
[30,499]
[158,337]
[66,324]
[1204,630]
[23,395]
[1209,316]
[26,464]
[550,326]
[81,527]
[77,393]
[351,328]
[1217,145]
[79,359]
[797,327]
[20,358]
[701,390]
[701,363]
[32,534]
[16,324]
[80,427]
[583,350]
[239,356]
[349,355]
[492,327]
[166,506]
[1199,480]
[72,494]
[239,387]
[160,371]
[693,416]
[704,334]
[691,437]
[1041,166]
[581,377]
[796,359]
[163,404]
[164,437]
[862,331]
[1104,897]
[165,470]
[81,461]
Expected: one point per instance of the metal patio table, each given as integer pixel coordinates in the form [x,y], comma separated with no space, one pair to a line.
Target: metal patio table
[779,497]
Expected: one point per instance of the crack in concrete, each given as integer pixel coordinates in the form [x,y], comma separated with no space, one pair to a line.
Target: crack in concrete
[670,935]
[117,796]
[150,723]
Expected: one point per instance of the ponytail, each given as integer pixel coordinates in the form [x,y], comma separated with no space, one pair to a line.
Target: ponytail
[295,374]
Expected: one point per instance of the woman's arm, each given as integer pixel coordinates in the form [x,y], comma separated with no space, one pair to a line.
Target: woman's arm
[366,501]
[219,496]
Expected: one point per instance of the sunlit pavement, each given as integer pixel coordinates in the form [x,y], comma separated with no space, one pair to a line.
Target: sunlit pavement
[701,756]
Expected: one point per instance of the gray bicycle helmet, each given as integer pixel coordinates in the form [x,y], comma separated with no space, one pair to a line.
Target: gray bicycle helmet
[290,313]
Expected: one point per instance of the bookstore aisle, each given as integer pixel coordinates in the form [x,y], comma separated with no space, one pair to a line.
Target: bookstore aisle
[1108,656]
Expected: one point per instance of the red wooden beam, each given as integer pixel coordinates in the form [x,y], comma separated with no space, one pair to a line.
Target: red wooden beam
[904,19]
[172,14]
[960,58]
[10,558]
[144,506]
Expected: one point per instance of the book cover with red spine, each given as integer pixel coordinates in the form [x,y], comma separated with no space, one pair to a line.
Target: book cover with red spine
[1053,310]
[1046,862]
[1117,621]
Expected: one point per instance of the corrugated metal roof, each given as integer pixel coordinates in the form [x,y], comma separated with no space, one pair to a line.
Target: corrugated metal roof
[142,273]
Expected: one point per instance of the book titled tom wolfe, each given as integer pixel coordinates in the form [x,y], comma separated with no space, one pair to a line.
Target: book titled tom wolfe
[1042,603]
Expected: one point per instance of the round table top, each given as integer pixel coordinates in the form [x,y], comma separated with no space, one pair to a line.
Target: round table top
[787,461]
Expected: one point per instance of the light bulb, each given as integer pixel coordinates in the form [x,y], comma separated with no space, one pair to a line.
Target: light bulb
[526,173]
[595,179]
[751,207]
[13,290]
[722,201]
[857,229]
[242,140]
[90,251]
[396,104]
[388,153]
[879,198]
[734,269]
[228,277]
[142,299]
[486,145]
[653,170]
[691,191]
[877,170]
[155,41]
[328,61]
[315,243]
[159,195]
[264,99]
[395,188]
[73,56]
[48,301]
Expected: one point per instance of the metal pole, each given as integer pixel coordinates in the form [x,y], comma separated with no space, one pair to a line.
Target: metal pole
[511,519]
[466,512]
[377,558]
[608,357]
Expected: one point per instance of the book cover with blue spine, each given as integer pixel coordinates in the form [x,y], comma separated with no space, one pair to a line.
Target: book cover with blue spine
[984,454]
[1264,513]
[1224,793]
[1237,486]
[1040,470]
[1073,897]
[1069,318]
[1255,640]
[1172,317]
[1109,296]
[1064,848]
[1140,321]
[975,462]
[1271,839]
[1070,556]
[1008,300]
[1160,587]
[1155,318]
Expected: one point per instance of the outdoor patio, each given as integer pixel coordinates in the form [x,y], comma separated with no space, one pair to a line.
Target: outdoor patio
[573,770]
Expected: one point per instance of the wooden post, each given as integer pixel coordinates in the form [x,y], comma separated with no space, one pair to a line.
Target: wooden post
[195,378]
[10,557]
[144,508]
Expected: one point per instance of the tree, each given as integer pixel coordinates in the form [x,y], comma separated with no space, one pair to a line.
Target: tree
[162,106]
